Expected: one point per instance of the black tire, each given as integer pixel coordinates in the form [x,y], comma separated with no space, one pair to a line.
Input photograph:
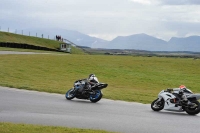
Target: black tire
[193,110]
[159,106]
[70,94]
[96,97]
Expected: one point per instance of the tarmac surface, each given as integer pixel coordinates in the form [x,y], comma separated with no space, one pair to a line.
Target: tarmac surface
[32,107]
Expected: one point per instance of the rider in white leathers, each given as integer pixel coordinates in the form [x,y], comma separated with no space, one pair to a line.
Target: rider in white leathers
[91,81]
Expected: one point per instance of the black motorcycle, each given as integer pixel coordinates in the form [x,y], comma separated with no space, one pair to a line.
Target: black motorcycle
[79,91]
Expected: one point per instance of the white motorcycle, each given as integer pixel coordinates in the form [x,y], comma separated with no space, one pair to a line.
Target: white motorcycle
[171,100]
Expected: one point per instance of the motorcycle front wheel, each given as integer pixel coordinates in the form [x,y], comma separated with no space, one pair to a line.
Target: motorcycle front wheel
[157,105]
[70,94]
[96,97]
[194,109]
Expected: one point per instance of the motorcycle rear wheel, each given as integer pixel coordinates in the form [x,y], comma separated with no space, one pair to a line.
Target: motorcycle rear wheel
[159,106]
[96,97]
[194,109]
[70,94]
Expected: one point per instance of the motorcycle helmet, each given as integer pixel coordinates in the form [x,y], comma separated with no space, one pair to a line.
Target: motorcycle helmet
[182,87]
[91,75]
[93,78]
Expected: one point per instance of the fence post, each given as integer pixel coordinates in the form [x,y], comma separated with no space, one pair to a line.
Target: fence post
[8,29]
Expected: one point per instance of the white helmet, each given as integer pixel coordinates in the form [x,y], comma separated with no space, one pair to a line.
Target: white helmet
[93,78]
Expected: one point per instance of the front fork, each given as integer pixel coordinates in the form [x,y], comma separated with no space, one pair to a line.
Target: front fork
[159,102]
[74,90]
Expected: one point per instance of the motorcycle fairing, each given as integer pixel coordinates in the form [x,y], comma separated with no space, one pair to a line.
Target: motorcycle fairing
[99,86]
[168,105]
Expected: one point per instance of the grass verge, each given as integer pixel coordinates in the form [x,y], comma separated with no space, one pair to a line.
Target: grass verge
[137,79]
[28,128]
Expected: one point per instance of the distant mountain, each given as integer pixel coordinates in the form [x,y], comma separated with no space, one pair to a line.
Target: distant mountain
[137,41]
[146,42]
[191,43]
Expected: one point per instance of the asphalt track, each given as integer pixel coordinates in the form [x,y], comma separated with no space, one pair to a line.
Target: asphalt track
[32,107]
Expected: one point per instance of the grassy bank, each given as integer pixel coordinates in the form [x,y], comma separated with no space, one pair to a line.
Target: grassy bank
[37,41]
[11,37]
[27,128]
[129,78]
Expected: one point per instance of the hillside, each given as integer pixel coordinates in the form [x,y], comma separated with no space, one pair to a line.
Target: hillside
[36,41]
[190,43]
[135,41]
[138,41]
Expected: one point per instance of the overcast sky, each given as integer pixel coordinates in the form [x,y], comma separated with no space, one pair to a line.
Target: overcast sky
[105,19]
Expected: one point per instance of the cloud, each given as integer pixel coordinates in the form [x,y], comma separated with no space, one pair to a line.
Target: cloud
[167,2]
[145,2]
[104,18]
[180,2]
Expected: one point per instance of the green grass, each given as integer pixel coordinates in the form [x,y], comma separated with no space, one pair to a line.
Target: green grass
[28,128]
[11,37]
[16,38]
[137,79]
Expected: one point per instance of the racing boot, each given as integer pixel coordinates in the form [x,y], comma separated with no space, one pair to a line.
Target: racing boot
[184,102]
